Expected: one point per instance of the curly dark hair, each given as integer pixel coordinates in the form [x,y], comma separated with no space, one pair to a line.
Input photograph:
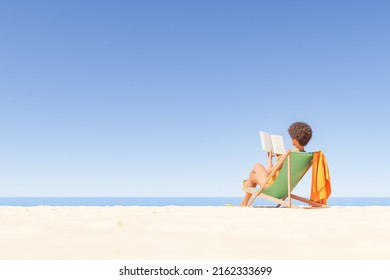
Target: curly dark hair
[301,132]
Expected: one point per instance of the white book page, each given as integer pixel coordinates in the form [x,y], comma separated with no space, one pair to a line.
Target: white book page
[277,144]
[266,141]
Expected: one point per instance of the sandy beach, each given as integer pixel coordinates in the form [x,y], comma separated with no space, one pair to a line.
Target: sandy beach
[194,233]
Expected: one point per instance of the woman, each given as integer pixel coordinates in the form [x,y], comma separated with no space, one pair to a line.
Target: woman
[300,134]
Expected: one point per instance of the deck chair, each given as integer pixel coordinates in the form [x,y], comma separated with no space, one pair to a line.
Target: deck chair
[292,167]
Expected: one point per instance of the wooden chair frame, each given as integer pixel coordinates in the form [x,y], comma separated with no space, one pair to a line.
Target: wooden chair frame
[289,196]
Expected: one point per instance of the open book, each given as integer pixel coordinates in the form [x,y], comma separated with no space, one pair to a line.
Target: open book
[272,143]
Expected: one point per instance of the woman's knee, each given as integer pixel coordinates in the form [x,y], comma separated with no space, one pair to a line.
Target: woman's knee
[258,167]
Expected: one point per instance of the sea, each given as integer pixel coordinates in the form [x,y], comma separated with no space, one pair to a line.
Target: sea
[168,201]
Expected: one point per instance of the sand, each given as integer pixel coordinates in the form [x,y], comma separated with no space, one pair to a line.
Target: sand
[194,233]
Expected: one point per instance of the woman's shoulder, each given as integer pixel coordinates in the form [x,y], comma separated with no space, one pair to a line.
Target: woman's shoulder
[297,150]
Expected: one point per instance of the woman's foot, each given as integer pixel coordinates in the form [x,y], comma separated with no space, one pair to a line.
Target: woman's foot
[243,204]
[246,183]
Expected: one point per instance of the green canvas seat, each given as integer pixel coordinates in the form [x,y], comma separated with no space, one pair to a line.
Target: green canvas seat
[292,167]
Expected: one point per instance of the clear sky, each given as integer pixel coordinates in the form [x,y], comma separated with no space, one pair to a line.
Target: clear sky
[166,98]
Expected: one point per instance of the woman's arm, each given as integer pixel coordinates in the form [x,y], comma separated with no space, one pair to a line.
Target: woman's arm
[280,159]
[270,161]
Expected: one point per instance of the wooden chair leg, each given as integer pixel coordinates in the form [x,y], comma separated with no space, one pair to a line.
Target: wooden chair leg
[308,201]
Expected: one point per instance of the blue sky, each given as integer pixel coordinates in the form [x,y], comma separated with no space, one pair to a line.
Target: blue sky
[166,98]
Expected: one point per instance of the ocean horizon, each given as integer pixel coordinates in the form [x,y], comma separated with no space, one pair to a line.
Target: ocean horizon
[175,201]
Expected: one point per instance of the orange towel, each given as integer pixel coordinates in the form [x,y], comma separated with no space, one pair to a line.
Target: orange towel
[320,184]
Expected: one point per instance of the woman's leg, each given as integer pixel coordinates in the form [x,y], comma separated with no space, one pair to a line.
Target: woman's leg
[257,176]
